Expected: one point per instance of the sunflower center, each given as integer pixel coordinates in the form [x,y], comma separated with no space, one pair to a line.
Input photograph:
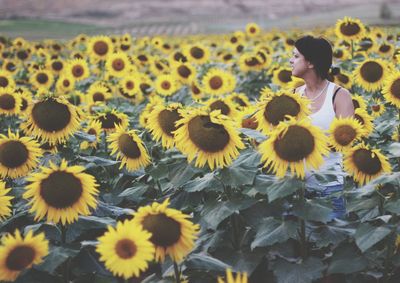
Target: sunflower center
[66,83]
[208,136]
[376,108]
[359,119]
[344,135]
[51,116]
[128,146]
[227,57]
[252,62]
[252,30]
[349,29]
[57,66]
[7,101]
[343,78]
[92,132]
[280,106]
[167,119]
[216,82]
[118,64]
[395,89]
[220,105]
[195,89]
[384,48]
[142,58]
[42,78]
[366,162]
[130,85]
[125,248]
[100,48]
[20,257]
[285,76]
[371,72]
[109,121]
[295,145]
[197,52]
[356,104]
[239,101]
[61,189]
[77,71]
[98,96]
[166,231]
[24,104]
[184,71]
[338,54]
[22,54]
[13,154]
[10,67]
[3,82]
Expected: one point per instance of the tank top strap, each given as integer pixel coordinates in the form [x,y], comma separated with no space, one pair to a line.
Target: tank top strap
[328,105]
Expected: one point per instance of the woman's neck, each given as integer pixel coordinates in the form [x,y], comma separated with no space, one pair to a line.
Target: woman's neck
[314,83]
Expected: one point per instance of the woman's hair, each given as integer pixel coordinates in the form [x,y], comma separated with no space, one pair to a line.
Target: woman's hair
[318,51]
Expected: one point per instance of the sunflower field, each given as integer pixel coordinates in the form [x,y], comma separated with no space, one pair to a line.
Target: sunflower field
[183,159]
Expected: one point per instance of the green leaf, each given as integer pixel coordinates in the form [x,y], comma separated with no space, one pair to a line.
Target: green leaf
[363,203]
[201,183]
[85,136]
[51,231]
[85,223]
[243,260]
[205,262]
[330,235]
[394,149]
[346,260]
[303,272]
[393,206]
[135,192]
[283,187]
[56,256]
[367,235]
[94,161]
[314,210]
[180,173]
[158,171]
[273,231]
[254,134]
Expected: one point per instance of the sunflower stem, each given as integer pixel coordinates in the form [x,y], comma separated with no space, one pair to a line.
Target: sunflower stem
[105,141]
[398,138]
[177,273]
[302,222]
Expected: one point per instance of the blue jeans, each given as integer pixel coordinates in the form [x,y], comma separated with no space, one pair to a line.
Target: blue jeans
[338,203]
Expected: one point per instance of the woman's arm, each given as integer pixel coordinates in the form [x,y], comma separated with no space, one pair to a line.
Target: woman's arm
[343,104]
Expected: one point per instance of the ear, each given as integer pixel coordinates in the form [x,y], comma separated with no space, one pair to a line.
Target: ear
[310,65]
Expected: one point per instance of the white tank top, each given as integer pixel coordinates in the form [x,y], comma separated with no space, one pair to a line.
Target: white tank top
[323,119]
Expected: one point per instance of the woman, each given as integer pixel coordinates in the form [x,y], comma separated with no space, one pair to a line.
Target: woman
[311,61]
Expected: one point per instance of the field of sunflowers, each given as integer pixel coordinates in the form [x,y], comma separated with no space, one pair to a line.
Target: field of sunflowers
[182,159]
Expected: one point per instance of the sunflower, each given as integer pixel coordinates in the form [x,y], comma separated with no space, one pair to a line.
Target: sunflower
[162,123]
[377,107]
[18,253]
[98,93]
[282,76]
[218,82]
[385,49]
[209,137]
[5,201]
[166,85]
[349,29]
[18,155]
[56,66]
[146,112]
[78,69]
[343,79]
[279,106]
[52,119]
[65,84]
[391,89]
[252,29]
[364,163]
[185,72]
[371,74]
[99,47]
[130,85]
[240,278]
[365,120]
[126,249]
[224,105]
[359,102]
[197,53]
[9,66]
[76,98]
[343,132]
[111,119]
[42,79]
[93,128]
[117,64]
[6,79]
[250,61]
[240,100]
[195,90]
[159,66]
[61,192]
[340,54]
[294,144]
[130,149]
[10,101]
[172,233]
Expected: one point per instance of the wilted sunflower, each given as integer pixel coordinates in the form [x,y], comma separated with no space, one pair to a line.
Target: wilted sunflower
[371,74]
[61,192]
[391,89]
[162,123]
[240,278]
[282,77]
[18,253]
[6,79]
[117,64]
[99,47]
[130,149]
[42,79]
[52,119]
[294,144]
[365,120]
[364,163]
[252,29]
[172,233]
[218,82]
[209,137]
[224,105]
[78,69]
[65,84]
[166,85]
[126,250]
[377,107]
[349,29]
[110,119]
[93,128]
[98,93]
[343,132]
[10,101]
[18,155]
[5,201]
[279,106]
[197,53]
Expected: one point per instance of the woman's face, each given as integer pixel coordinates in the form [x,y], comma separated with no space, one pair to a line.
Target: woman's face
[299,64]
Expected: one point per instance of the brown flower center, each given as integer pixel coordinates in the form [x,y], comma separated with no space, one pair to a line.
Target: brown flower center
[395,89]
[356,104]
[166,85]
[24,104]
[165,230]
[251,62]
[61,189]
[42,78]
[20,257]
[359,119]
[125,248]
[350,29]
[371,71]
[366,162]
[384,48]
[297,143]
[98,96]
[220,105]
[184,71]
[13,154]
[51,116]
[7,101]
[118,65]
[216,82]
[343,78]
[375,108]
[195,89]
[4,82]
[130,85]
[22,54]
[77,71]
[252,30]
[279,107]
[344,135]
[92,131]
[109,121]
[57,65]
[206,135]
[167,119]
[100,48]
[128,146]
[338,54]
[285,76]
[197,52]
